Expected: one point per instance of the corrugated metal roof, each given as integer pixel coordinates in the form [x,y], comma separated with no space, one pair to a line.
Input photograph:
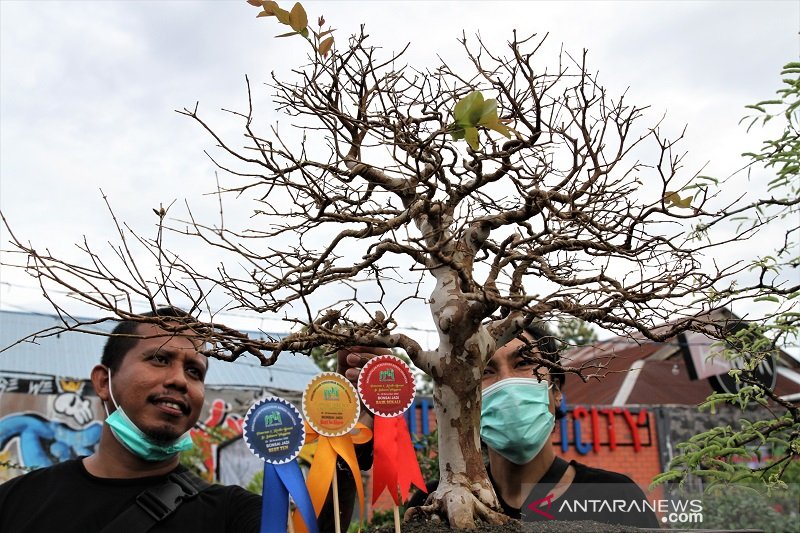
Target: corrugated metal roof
[74,354]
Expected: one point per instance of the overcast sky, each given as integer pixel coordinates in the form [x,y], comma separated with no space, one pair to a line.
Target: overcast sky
[88,89]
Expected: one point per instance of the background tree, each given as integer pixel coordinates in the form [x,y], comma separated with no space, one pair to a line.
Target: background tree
[562,200]
[724,454]
[574,332]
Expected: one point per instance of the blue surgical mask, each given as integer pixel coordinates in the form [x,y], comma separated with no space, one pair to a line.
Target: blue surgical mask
[516,421]
[136,441]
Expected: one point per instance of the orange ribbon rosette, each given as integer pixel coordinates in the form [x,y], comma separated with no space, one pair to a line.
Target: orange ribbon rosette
[320,477]
[331,408]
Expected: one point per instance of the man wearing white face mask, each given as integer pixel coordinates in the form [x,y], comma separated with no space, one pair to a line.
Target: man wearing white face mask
[151,383]
[518,412]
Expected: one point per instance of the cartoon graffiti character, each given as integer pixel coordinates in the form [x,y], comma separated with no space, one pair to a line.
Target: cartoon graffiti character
[72,405]
[43,442]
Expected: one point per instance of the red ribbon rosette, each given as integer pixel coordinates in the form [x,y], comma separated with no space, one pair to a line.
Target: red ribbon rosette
[387,388]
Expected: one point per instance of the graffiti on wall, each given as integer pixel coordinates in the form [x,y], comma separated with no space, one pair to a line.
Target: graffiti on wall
[220,425]
[28,386]
[50,428]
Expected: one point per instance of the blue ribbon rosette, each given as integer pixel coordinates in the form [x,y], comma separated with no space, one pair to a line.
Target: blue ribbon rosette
[274,432]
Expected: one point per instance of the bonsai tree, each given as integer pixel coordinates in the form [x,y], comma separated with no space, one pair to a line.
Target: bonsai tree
[510,188]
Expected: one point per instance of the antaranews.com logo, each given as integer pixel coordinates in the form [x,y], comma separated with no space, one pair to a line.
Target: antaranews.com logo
[680,511]
[613,510]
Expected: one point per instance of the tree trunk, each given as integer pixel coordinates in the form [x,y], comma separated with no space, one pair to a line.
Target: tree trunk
[464,492]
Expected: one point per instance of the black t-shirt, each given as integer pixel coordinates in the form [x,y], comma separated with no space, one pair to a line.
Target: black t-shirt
[66,498]
[594,494]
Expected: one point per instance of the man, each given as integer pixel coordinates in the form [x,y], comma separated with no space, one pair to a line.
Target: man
[151,383]
[519,401]
[518,410]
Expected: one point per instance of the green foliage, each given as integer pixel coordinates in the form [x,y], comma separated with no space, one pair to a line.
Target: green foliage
[428,456]
[194,459]
[256,484]
[574,332]
[725,455]
[297,20]
[379,519]
[747,507]
[324,358]
[781,155]
[472,112]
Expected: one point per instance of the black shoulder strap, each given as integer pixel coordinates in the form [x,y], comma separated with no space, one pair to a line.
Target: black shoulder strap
[157,503]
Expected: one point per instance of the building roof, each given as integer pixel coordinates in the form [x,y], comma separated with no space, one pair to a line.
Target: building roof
[73,355]
[637,371]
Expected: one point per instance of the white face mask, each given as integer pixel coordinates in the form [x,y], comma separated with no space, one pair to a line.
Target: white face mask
[135,440]
[515,418]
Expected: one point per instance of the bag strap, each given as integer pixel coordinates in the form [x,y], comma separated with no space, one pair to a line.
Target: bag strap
[157,503]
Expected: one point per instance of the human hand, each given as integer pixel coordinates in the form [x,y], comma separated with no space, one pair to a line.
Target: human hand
[351,360]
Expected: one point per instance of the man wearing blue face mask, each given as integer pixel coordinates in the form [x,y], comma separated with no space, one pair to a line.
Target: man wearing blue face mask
[151,382]
[518,412]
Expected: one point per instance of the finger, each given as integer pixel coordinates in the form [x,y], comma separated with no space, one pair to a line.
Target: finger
[357,359]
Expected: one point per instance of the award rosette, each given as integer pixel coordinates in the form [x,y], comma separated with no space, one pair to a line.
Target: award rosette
[331,408]
[274,432]
[330,404]
[387,389]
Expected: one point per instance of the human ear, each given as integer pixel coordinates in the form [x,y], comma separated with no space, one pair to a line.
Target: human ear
[557,395]
[100,382]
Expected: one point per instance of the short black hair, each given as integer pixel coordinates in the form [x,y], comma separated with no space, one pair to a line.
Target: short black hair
[548,349]
[123,337]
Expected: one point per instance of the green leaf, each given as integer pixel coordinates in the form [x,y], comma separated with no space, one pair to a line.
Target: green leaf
[473,111]
[298,18]
[468,110]
[456,132]
[484,111]
[767,299]
[708,178]
[490,120]
[287,34]
[471,136]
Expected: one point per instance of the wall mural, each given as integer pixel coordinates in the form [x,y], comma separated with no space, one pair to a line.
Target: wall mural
[52,420]
[220,425]
[38,429]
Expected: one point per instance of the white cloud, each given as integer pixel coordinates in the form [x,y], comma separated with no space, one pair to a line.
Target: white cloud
[88,89]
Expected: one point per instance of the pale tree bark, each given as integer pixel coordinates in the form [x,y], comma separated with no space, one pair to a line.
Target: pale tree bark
[576,215]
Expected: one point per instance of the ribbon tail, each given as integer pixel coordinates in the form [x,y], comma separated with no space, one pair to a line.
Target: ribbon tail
[384,469]
[274,502]
[407,464]
[292,479]
[320,475]
[344,447]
